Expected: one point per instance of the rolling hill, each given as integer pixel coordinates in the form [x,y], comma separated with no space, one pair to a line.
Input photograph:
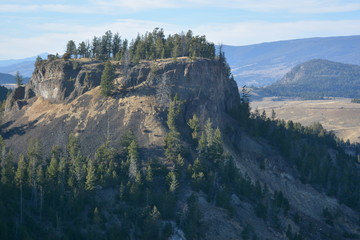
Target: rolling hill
[319,78]
[6,78]
[263,64]
[25,66]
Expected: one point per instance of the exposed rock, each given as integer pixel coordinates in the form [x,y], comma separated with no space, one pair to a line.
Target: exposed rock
[64,97]
[67,100]
[14,99]
[61,81]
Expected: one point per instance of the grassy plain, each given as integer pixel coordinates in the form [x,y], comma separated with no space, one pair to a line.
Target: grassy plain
[338,114]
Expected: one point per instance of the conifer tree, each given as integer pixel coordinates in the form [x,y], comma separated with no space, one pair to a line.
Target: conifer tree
[71,48]
[107,79]
[173,143]
[149,174]
[90,183]
[20,179]
[195,126]
[19,79]
[52,171]
[172,181]
[20,175]
[133,157]
[7,169]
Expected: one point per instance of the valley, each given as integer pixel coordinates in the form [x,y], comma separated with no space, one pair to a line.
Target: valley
[338,114]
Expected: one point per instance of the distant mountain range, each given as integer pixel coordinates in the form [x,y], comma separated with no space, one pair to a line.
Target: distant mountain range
[263,64]
[258,64]
[25,66]
[318,78]
[6,78]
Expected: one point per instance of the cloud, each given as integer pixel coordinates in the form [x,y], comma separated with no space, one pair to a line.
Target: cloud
[244,33]
[59,8]
[19,47]
[305,6]
[116,6]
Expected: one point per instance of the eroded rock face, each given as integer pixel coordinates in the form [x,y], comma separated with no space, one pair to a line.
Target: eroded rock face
[15,99]
[51,107]
[63,97]
[61,81]
[203,84]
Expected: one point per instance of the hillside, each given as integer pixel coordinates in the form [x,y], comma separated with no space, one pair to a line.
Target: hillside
[319,78]
[171,153]
[25,66]
[6,78]
[263,64]
[338,115]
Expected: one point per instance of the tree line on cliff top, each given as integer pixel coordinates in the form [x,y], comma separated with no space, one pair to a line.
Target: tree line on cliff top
[149,46]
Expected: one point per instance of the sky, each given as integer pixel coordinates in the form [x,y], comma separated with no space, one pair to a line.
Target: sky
[28,28]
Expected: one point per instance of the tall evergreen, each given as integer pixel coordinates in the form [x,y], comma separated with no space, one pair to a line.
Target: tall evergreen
[19,79]
[90,183]
[133,157]
[107,79]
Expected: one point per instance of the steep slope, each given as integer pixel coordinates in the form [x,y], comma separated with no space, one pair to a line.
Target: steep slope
[263,64]
[247,180]
[58,101]
[318,78]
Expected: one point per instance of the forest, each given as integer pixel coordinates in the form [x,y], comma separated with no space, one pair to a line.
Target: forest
[150,46]
[116,194]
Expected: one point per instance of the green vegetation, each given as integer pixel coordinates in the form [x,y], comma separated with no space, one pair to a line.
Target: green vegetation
[107,79]
[306,149]
[19,79]
[152,45]
[355,100]
[3,93]
[119,193]
[318,79]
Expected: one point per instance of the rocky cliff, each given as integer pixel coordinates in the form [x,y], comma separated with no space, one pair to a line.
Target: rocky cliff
[64,97]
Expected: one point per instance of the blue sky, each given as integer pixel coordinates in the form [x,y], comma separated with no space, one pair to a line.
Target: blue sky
[28,28]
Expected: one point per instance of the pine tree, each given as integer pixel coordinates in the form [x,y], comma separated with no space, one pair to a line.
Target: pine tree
[71,48]
[90,183]
[52,171]
[195,126]
[107,79]
[7,169]
[273,115]
[20,179]
[20,175]
[173,143]
[133,157]
[149,174]
[151,228]
[77,166]
[172,181]
[19,79]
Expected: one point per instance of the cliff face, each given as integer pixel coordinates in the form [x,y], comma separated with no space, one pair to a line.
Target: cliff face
[64,97]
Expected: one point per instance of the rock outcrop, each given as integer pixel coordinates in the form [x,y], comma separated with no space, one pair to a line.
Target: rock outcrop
[64,97]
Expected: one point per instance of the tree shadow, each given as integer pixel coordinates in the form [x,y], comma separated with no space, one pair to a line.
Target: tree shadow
[20,130]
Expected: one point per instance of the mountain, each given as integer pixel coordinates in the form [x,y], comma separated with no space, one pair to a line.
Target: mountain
[6,78]
[24,66]
[263,64]
[319,78]
[171,153]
